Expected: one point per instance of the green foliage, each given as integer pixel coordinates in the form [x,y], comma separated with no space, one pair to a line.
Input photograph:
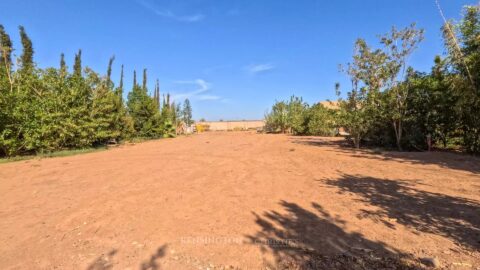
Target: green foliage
[297,117]
[389,108]
[359,110]
[26,59]
[463,46]
[144,111]
[321,121]
[156,94]
[109,71]
[144,82]
[63,65]
[47,110]
[376,93]
[5,49]
[187,112]
[391,105]
[168,129]
[277,119]
[108,114]
[119,90]
[77,65]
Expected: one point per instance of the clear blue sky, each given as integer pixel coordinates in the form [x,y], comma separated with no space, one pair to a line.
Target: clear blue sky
[234,58]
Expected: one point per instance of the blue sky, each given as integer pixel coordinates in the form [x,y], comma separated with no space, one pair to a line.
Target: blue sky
[233,58]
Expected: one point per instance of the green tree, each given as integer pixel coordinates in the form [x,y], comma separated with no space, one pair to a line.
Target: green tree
[167,118]
[77,65]
[144,112]
[360,110]
[144,82]
[10,115]
[157,94]
[26,59]
[377,91]
[109,70]
[5,51]
[443,102]
[119,89]
[187,112]
[277,119]
[399,45]
[462,43]
[43,110]
[321,121]
[105,115]
[134,78]
[63,66]
[296,115]
[179,113]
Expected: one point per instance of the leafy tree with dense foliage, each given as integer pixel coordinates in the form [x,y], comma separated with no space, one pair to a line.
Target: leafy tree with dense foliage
[168,118]
[26,59]
[144,111]
[297,117]
[398,46]
[463,46]
[360,110]
[277,119]
[321,121]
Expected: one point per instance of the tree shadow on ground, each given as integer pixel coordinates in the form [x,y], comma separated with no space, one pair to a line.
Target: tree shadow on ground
[322,141]
[313,239]
[105,261]
[427,212]
[450,160]
[153,262]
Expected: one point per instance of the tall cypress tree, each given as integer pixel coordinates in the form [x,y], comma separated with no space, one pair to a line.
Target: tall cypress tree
[144,83]
[109,70]
[143,110]
[6,108]
[123,121]
[77,66]
[134,78]
[26,59]
[121,78]
[157,95]
[187,112]
[62,61]
[120,85]
[5,49]
[63,65]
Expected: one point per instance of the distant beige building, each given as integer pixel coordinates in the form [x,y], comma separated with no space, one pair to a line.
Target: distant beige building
[330,104]
[233,125]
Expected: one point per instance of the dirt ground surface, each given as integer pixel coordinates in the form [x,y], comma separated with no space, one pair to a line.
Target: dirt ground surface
[240,200]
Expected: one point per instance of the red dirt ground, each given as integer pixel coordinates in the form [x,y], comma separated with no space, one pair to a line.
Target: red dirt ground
[238,200]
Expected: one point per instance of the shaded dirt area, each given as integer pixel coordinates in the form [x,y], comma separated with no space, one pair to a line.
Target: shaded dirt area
[241,200]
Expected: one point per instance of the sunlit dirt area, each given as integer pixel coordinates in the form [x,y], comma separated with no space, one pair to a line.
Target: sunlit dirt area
[241,200]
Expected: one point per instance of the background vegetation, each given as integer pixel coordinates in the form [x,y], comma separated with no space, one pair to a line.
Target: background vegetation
[51,109]
[390,104]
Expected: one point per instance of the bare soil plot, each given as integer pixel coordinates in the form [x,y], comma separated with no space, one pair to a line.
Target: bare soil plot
[241,200]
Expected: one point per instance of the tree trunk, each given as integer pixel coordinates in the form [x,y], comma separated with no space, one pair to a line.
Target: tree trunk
[356,141]
[398,134]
